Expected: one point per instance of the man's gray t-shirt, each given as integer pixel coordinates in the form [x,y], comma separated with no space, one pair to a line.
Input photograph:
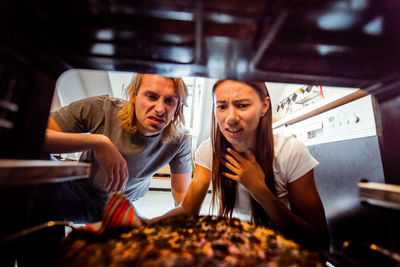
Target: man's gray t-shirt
[144,155]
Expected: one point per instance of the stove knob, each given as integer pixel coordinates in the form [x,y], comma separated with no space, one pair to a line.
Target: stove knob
[355,119]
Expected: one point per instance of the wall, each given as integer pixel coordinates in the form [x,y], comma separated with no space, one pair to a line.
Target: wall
[74,84]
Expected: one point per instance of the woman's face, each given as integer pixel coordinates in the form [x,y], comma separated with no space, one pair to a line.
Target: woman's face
[238,109]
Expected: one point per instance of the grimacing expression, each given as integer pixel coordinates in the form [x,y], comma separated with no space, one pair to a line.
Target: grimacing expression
[155,104]
[238,109]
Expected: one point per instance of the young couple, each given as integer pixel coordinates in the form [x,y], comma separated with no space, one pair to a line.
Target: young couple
[255,175]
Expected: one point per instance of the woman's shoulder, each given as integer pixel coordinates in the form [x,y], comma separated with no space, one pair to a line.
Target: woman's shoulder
[289,150]
[203,155]
[205,145]
[292,157]
[280,142]
[206,142]
[286,143]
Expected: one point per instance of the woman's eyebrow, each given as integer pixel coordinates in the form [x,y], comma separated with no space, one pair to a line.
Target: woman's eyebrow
[235,101]
[242,100]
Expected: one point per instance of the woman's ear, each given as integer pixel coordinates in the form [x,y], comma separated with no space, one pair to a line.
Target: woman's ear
[266,106]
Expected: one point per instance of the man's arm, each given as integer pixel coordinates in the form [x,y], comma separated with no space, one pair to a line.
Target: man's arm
[179,184]
[108,156]
[52,125]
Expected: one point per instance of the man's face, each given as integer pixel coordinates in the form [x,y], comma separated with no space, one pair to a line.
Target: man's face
[155,104]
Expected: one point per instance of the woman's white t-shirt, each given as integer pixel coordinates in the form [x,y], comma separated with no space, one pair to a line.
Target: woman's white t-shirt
[291,161]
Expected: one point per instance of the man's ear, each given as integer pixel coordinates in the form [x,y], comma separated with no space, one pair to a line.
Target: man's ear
[266,106]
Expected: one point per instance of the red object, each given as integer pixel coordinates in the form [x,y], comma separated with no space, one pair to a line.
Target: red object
[119,213]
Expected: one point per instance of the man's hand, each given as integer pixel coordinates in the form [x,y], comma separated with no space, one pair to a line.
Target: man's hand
[112,163]
[110,159]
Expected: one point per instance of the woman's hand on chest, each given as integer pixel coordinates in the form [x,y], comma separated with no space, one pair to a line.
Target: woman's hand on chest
[245,170]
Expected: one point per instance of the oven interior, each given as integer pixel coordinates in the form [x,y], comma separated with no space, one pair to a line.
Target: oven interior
[337,43]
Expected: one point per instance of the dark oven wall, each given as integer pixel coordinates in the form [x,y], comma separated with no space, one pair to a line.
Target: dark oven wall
[342,43]
[342,165]
[279,41]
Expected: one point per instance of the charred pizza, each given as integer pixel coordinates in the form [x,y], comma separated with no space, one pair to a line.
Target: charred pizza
[186,241]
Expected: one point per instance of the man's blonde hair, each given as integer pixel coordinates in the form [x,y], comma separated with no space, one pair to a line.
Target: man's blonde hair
[127,114]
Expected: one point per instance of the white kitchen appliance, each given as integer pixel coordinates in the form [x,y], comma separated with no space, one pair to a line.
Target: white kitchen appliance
[350,121]
[345,142]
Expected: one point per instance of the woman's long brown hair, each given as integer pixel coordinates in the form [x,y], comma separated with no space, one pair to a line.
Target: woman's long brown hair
[225,189]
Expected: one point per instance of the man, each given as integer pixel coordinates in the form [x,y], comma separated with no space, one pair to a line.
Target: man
[129,142]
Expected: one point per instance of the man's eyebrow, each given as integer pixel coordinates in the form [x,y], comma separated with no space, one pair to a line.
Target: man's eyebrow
[168,97]
[148,91]
[172,96]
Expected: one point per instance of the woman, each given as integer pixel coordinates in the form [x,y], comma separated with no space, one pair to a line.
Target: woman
[267,178]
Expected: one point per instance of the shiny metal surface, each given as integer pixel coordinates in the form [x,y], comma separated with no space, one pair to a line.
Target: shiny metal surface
[347,43]
[335,43]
